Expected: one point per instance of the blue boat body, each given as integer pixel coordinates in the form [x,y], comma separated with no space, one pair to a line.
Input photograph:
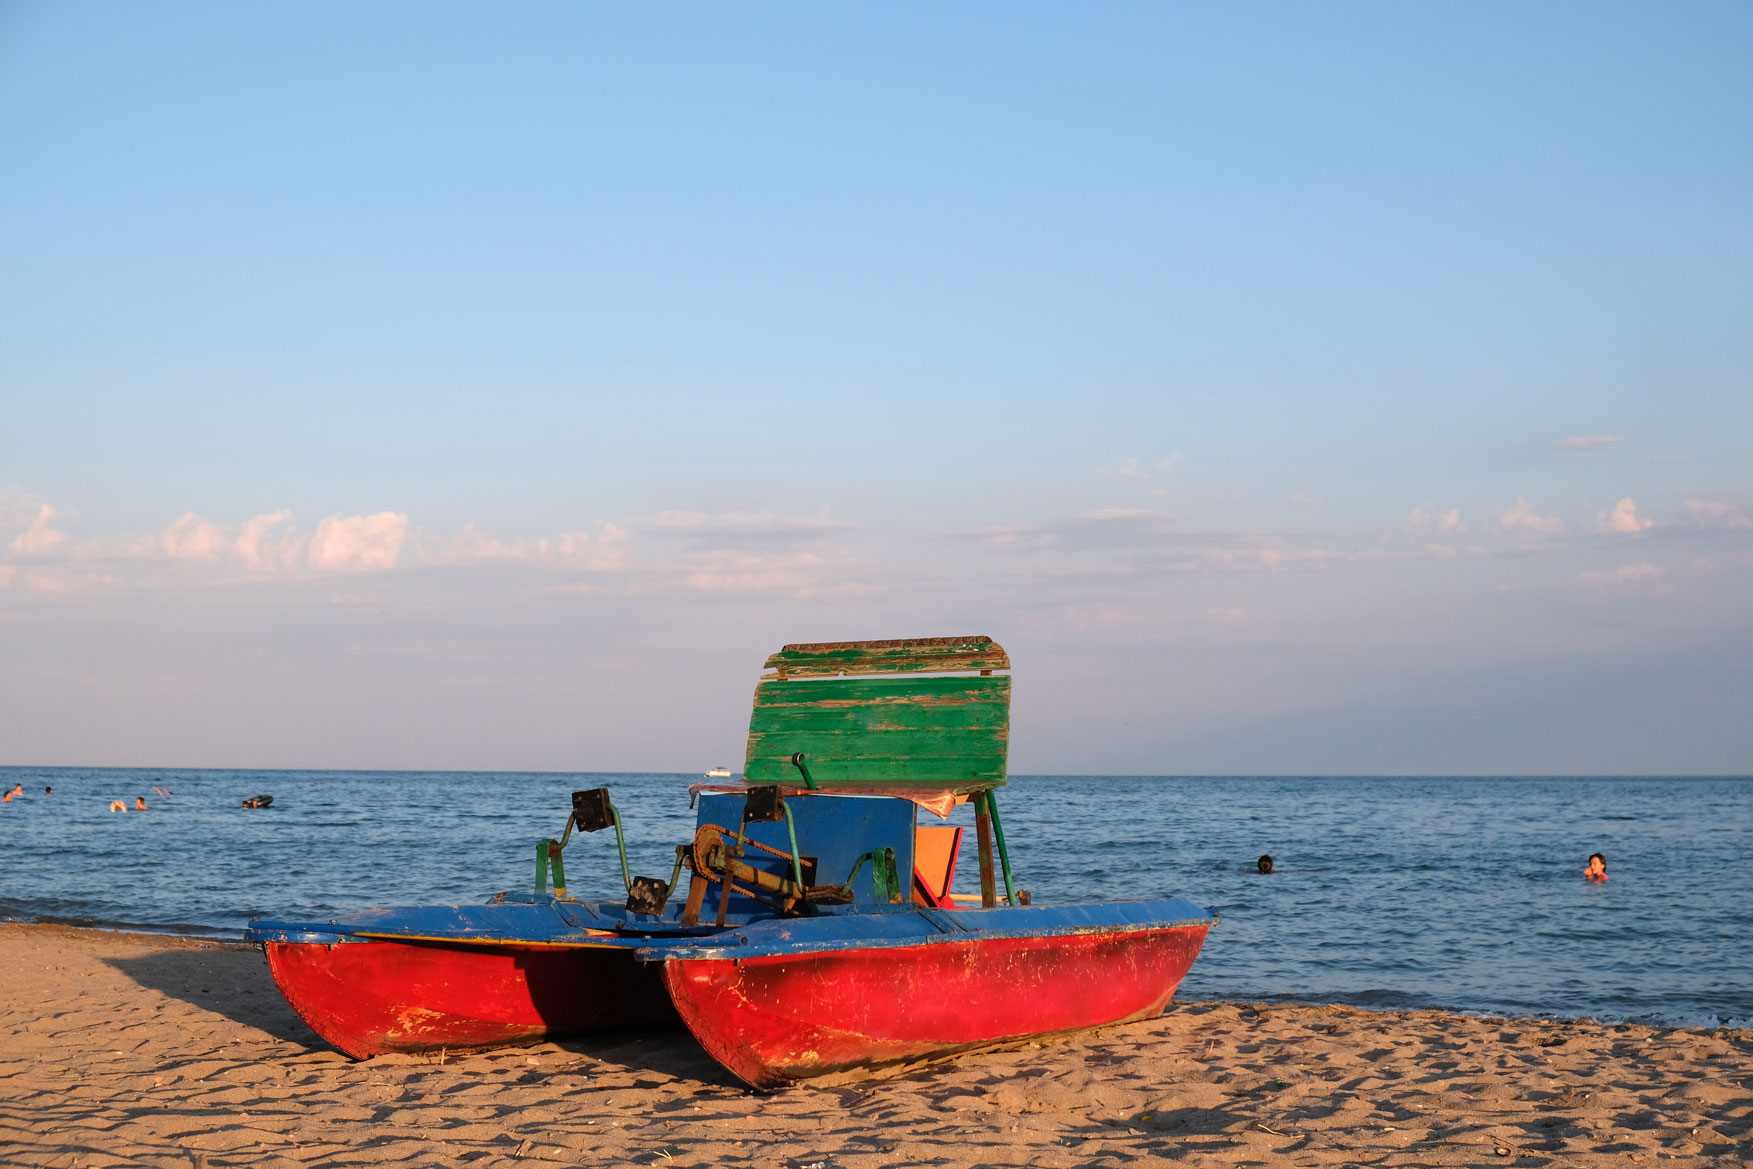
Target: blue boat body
[526,920]
[524,966]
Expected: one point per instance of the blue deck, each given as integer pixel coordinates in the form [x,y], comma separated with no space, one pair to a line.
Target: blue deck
[551,922]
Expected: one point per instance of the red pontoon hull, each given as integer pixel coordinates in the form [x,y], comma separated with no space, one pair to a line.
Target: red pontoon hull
[372,997]
[778,1018]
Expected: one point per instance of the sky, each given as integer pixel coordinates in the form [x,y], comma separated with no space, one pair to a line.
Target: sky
[1291,389]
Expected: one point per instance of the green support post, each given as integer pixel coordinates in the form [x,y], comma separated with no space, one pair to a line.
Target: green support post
[885,877]
[542,847]
[1003,852]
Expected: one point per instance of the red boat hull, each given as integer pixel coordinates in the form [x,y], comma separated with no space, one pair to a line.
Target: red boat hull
[775,1019]
[372,997]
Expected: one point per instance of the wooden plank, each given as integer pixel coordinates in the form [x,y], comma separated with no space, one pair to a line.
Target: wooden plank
[907,656]
[883,716]
[939,731]
[959,773]
[828,693]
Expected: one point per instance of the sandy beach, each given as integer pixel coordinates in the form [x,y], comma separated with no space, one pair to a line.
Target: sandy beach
[132,1049]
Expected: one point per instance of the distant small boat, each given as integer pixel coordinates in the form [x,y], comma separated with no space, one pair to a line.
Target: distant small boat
[718,773]
[258,801]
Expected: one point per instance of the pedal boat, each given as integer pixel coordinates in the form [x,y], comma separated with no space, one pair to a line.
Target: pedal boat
[857,753]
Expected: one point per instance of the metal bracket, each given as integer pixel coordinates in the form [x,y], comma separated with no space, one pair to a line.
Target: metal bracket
[764,805]
[648,896]
[591,810]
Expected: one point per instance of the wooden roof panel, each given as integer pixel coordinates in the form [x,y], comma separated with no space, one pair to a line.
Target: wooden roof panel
[904,656]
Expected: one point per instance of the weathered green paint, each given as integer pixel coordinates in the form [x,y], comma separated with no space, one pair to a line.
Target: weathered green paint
[888,877]
[932,731]
[885,875]
[915,655]
[796,857]
[897,704]
[620,846]
[548,850]
[1003,852]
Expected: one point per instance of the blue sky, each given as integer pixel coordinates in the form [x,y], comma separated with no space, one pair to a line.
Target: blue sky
[1290,388]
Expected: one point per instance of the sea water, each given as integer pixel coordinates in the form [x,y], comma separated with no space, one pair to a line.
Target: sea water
[1465,894]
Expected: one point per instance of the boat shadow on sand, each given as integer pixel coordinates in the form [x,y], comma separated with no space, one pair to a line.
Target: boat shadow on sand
[232,980]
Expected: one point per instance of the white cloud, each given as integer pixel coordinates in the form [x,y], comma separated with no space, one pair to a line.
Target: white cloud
[361,543]
[1639,573]
[1623,518]
[1424,518]
[1520,517]
[1298,499]
[1590,442]
[603,552]
[472,544]
[1132,467]
[1713,513]
[254,532]
[40,537]
[17,507]
[190,537]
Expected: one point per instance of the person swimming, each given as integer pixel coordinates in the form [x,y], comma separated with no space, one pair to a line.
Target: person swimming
[1597,870]
[1264,864]
[139,803]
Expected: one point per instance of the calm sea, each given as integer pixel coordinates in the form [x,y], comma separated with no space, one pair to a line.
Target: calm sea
[1464,894]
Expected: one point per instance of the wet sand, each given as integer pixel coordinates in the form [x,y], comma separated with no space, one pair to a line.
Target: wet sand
[131,1049]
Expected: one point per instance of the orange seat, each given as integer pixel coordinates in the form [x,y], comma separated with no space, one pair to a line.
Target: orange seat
[934,863]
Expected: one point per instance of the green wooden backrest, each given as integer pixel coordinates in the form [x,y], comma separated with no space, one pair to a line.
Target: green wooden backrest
[928,712]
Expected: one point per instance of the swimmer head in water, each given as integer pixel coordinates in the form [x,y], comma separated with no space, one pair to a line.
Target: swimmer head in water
[1597,870]
[1264,864]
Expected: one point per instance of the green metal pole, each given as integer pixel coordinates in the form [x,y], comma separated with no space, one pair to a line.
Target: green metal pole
[542,866]
[559,870]
[621,844]
[1003,852]
[796,860]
